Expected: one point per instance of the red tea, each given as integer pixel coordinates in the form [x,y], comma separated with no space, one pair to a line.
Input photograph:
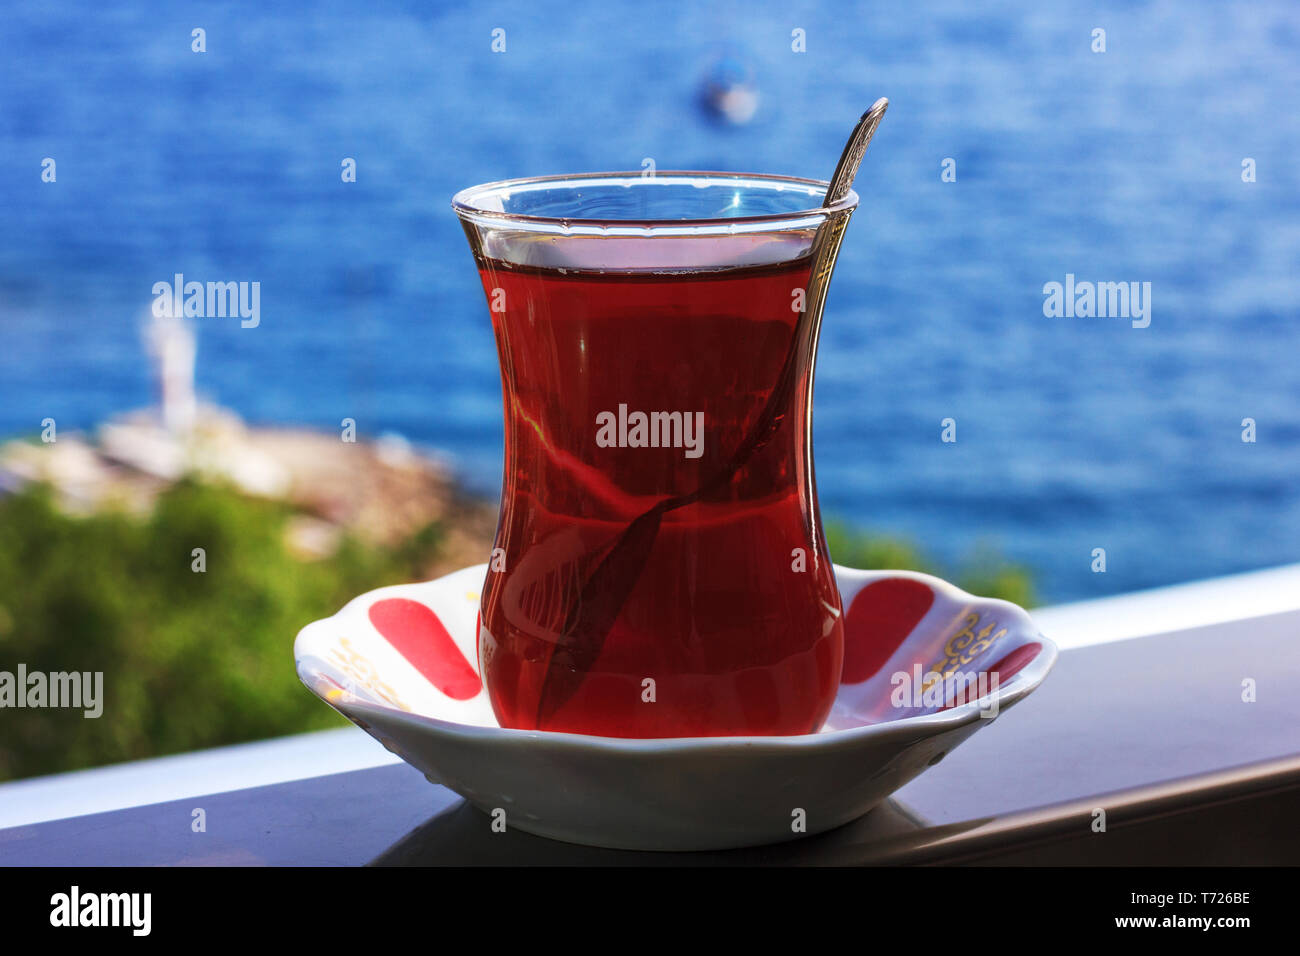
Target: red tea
[682,396]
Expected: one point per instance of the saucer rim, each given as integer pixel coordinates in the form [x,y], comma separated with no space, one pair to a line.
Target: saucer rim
[1021,685]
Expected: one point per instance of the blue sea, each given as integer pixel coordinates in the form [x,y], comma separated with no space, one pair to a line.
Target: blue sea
[1072,433]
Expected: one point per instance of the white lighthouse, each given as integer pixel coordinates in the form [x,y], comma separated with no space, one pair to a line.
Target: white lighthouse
[171,343]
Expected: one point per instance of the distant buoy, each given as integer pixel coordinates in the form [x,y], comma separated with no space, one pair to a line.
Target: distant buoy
[729,92]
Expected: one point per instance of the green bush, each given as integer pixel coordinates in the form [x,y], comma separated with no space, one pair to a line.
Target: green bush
[190,660]
[984,572]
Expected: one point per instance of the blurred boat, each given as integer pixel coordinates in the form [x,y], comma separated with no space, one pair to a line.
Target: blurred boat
[729,92]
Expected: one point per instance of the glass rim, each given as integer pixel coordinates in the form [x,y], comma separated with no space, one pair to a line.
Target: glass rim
[465,204]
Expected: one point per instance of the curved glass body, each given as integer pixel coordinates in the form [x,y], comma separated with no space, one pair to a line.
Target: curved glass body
[659,566]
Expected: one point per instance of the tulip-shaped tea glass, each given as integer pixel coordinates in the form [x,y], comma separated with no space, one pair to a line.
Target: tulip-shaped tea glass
[659,568]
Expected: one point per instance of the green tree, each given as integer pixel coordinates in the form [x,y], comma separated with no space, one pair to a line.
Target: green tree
[190,659]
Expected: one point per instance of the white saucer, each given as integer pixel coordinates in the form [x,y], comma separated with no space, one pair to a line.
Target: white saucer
[400,662]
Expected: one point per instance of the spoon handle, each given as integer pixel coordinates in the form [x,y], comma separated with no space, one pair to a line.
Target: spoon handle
[847,168]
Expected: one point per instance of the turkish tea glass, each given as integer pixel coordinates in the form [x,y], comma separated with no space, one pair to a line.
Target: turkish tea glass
[659,568]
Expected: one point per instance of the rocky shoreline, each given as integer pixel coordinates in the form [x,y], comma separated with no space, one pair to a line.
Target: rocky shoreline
[378,491]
